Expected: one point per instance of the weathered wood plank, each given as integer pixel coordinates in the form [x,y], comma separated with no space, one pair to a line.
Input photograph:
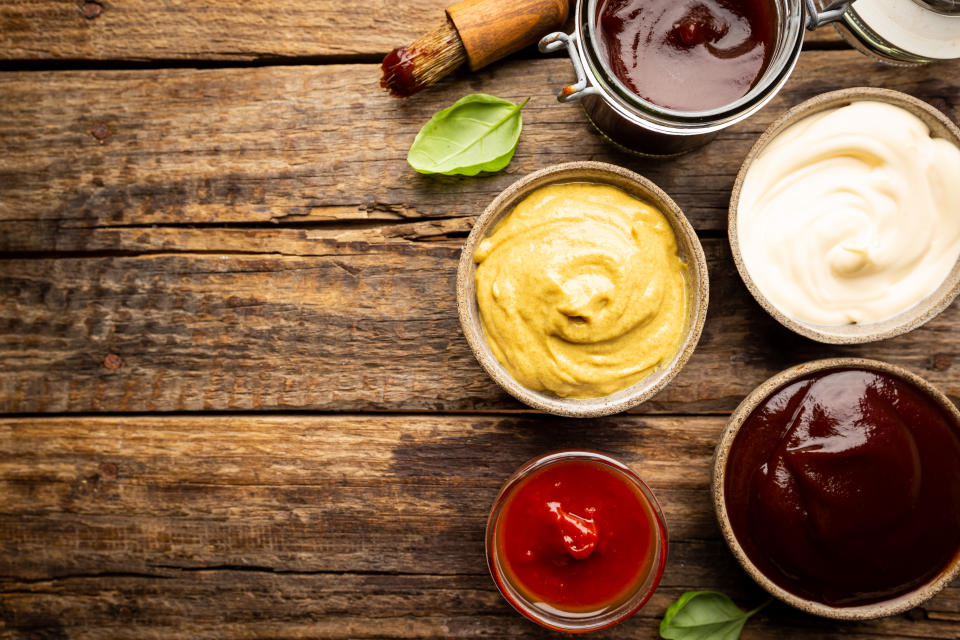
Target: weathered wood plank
[244,604]
[210,29]
[312,144]
[310,320]
[302,493]
[219,29]
[339,526]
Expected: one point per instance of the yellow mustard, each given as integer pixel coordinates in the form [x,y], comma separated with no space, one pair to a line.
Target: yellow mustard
[581,292]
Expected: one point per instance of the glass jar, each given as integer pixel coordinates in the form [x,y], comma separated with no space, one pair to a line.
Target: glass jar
[642,505]
[900,32]
[643,127]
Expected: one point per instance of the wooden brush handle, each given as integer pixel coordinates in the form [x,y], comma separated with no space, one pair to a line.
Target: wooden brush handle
[493,29]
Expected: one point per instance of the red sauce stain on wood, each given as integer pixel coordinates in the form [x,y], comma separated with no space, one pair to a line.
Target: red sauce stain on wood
[91,10]
[113,361]
[100,131]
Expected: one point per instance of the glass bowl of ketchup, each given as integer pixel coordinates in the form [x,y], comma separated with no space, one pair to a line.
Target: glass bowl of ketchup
[662,77]
[576,541]
[836,484]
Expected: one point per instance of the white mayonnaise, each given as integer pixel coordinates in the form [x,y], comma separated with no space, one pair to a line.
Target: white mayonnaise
[851,215]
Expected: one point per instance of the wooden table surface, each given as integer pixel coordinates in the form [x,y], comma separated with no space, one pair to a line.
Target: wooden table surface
[236,398]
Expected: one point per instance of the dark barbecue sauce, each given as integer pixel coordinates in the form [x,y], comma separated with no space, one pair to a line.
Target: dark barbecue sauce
[687,55]
[398,71]
[844,487]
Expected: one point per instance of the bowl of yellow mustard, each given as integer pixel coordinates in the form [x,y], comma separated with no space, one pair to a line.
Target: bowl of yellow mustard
[582,289]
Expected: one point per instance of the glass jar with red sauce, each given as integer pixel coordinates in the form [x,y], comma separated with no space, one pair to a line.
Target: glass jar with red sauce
[662,77]
[576,541]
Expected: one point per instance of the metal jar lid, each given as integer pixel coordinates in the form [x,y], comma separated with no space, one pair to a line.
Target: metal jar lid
[903,32]
[946,7]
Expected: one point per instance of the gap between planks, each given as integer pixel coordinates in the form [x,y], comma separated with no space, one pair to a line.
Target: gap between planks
[122,64]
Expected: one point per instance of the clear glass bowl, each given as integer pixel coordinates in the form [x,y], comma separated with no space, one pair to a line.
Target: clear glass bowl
[551,617]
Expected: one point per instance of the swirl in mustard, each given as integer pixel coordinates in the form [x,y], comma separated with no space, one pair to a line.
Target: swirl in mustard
[581,291]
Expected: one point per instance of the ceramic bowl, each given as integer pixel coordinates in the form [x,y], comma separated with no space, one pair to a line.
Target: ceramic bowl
[940,127]
[688,248]
[741,413]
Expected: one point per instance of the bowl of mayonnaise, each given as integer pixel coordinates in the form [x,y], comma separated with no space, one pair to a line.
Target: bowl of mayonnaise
[844,219]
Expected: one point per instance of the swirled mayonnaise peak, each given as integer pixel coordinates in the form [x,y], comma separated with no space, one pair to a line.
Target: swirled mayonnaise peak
[851,215]
[581,291]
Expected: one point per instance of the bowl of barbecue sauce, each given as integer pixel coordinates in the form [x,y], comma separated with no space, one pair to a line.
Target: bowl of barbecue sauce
[837,487]
[576,541]
[662,77]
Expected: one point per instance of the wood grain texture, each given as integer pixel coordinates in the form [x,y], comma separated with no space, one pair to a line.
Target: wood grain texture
[211,29]
[334,527]
[311,319]
[230,30]
[81,152]
[252,239]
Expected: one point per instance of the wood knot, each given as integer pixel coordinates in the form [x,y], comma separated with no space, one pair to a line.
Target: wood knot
[107,471]
[942,361]
[91,10]
[100,131]
[112,361]
[95,484]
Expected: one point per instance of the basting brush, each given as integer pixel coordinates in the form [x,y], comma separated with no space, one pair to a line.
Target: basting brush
[477,32]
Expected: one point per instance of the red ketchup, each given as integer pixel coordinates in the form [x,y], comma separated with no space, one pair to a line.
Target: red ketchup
[844,487]
[578,536]
[689,55]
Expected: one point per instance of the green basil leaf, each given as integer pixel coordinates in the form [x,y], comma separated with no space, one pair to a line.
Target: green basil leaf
[704,615]
[478,133]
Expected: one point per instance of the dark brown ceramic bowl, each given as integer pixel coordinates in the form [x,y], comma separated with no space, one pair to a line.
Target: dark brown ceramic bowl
[688,248]
[940,127]
[741,413]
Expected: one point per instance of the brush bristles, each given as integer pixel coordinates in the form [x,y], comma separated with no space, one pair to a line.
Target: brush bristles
[423,62]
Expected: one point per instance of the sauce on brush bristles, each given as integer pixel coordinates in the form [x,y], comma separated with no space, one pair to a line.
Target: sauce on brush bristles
[407,70]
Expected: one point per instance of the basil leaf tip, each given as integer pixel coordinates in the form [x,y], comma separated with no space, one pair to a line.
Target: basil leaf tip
[704,615]
[479,132]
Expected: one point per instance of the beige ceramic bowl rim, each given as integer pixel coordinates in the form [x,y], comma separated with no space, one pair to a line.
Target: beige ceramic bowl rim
[910,319]
[742,412]
[595,172]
